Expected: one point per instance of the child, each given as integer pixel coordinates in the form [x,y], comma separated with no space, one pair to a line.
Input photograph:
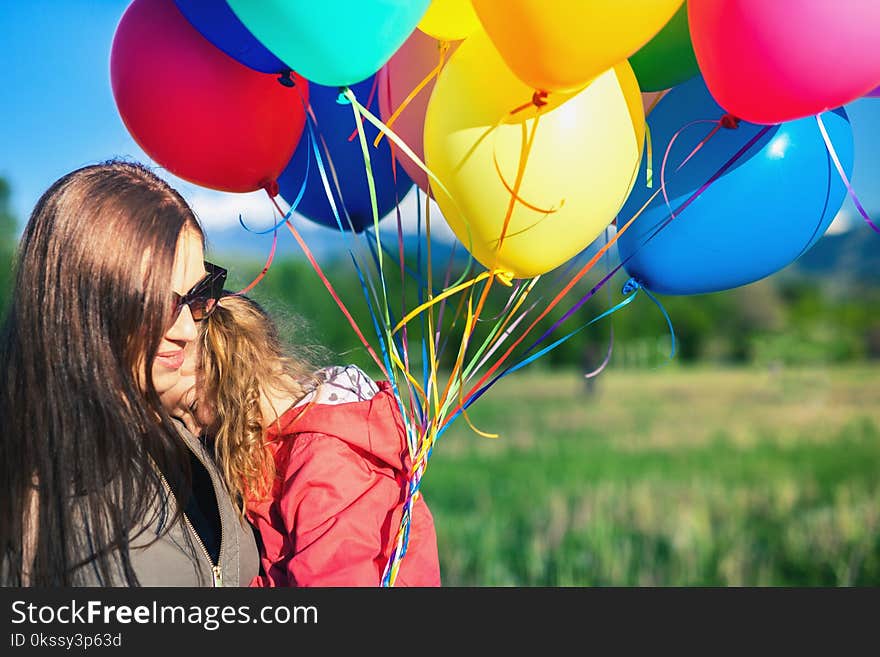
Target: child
[318,460]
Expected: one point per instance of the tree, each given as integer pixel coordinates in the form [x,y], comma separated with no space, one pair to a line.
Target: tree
[8,231]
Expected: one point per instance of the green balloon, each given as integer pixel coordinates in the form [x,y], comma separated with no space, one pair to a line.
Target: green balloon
[668,59]
[331,42]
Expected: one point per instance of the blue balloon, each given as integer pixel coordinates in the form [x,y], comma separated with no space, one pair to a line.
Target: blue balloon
[218,24]
[336,124]
[764,212]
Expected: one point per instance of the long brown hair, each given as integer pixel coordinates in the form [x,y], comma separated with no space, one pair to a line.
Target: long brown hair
[242,358]
[90,306]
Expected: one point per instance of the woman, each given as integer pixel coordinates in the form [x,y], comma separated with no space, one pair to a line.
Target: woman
[109,283]
[319,459]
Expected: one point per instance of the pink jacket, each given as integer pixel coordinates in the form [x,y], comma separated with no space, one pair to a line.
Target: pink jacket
[335,509]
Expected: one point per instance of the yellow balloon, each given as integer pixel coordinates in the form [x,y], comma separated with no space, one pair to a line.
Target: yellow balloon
[584,154]
[559,45]
[449,20]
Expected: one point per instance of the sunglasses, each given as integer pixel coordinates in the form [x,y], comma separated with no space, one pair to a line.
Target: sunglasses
[204,295]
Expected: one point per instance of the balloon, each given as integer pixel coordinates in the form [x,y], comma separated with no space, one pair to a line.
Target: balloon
[667,59]
[449,20]
[580,167]
[875,93]
[194,110]
[417,57]
[770,207]
[336,124]
[219,25]
[769,62]
[562,45]
[333,42]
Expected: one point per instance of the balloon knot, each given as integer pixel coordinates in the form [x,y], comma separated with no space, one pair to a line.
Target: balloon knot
[342,99]
[539,98]
[504,277]
[286,80]
[632,285]
[729,121]
[271,188]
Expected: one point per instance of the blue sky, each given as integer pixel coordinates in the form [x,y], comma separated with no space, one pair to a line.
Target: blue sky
[58,112]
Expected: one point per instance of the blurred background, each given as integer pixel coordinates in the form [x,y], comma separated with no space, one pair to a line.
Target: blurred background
[750,458]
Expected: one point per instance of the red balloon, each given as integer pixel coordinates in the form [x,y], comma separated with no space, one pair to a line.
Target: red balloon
[770,61]
[196,111]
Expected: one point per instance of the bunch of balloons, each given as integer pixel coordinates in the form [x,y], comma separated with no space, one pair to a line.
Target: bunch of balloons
[523,119]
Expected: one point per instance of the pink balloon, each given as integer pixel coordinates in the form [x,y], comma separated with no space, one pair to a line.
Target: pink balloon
[769,61]
[412,62]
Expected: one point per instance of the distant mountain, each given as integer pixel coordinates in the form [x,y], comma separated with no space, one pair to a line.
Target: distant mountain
[840,259]
[844,258]
[240,245]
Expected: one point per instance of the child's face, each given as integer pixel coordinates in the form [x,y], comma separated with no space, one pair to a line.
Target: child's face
[202,404]
[203,410]
[192,404]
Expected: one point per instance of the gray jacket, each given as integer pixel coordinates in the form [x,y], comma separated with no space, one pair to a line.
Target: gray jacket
[178,558]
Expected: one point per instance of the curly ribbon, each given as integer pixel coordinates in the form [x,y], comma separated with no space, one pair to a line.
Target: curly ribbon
[406,150]
[727,121]
[601,367]
[370,97]
[630,289]
[428,337]
[426,449]
[501,275]
[423,285]
[274,229]
[448,292]
[292,208]
[456,378]
[260,276]
[596,372]
[538,101]
[399,363]
[561,275]
[837,165]
[443,47]
[312,123]
[311,258]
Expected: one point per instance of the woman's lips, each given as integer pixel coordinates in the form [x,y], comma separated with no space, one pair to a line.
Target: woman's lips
[173,360]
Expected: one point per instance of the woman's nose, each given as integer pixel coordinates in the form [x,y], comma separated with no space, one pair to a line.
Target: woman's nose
[184,327]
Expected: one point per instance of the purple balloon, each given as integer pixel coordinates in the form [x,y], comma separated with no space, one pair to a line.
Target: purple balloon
[874,94]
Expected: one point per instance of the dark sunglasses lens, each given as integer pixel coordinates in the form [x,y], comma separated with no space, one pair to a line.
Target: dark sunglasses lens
[202,307]
[176,305]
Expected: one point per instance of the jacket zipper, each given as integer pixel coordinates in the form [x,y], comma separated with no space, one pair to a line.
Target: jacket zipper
[216,571]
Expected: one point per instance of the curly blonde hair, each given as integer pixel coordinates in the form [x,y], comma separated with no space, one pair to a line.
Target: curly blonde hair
[242,358]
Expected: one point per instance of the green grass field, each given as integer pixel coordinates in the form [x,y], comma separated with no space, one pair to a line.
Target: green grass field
[668,477]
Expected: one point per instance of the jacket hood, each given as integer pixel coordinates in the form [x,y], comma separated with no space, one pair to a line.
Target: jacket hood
[353,408]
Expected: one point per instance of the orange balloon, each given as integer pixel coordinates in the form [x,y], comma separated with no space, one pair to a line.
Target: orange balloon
[560,45]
